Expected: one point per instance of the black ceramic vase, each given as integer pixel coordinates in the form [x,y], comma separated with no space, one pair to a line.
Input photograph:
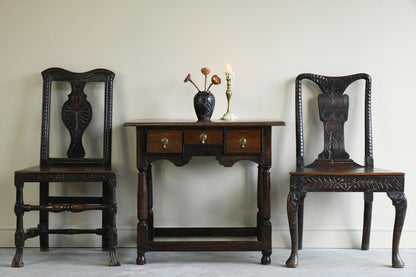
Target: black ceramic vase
[204,103]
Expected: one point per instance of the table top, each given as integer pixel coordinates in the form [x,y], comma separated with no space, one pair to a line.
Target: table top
[215,123]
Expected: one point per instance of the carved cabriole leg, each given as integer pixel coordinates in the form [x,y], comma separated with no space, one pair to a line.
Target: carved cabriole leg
[142,214]
[400,203]
[266,226]
[292,214]
[150,202]
[19,237]
[368,206]
[112,230]
[300,219]
[44,216]
[106,218]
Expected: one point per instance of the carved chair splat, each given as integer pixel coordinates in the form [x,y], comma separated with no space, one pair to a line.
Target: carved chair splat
[76,115]
[334,171]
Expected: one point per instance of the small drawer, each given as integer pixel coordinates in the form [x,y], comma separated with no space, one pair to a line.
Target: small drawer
[164,141]
[200,137]
[243,141]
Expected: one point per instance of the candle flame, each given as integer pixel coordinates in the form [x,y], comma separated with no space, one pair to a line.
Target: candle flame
[229,69]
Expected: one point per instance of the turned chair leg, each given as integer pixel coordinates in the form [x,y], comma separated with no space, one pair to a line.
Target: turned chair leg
[111,218]
[44,217]
[400,204]
[292,214]
[300,219]
[106,218]
[20,233]
[368,206]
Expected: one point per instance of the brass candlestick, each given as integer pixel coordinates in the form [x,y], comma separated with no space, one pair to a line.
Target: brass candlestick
[228,116]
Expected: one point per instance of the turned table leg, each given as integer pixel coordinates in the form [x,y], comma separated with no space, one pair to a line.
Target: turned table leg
[142,214]
[150,203]
[265,225]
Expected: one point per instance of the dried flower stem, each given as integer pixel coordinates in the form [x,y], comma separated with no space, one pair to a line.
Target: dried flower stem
[205,71]
[194,85]
[210,86]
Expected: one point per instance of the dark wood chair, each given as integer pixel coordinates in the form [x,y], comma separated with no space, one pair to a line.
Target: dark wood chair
[333,171]
[76,115]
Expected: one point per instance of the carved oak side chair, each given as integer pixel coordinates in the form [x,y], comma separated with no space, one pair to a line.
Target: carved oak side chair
[76,115]
[333,171]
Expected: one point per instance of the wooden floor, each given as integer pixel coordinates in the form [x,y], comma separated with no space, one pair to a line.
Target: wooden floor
[64,262]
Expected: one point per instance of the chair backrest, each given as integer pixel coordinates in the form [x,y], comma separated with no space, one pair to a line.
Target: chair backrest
[333,107]
[76,115]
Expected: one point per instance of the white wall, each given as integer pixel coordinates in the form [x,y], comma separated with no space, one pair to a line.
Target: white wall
[152,45]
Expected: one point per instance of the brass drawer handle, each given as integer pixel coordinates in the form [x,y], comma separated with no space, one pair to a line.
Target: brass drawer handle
[203,138]
[243,142]
[164,142]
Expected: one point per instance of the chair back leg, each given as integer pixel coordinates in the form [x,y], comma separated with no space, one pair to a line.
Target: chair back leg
[368,206]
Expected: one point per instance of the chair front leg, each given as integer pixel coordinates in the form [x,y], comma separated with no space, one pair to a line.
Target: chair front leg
[400,203]
[292,214]
[20,233]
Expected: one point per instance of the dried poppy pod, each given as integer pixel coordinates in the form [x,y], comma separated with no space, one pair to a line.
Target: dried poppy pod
[215,80]
[205,70]
[188,78]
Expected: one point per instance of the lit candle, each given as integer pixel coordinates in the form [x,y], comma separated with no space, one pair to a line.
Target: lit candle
[229,69]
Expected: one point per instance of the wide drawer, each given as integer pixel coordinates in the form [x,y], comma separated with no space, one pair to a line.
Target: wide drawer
[200,137]
[243,141]
[164,141]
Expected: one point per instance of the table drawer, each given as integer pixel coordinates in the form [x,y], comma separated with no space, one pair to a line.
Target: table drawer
[164,141]
[199,137]
[243,141]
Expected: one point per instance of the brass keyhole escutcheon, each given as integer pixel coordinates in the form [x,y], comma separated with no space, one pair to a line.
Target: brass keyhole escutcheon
[243,142]
[203,138]
[164,142]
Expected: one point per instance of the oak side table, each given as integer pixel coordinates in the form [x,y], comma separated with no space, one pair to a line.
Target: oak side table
[178,142]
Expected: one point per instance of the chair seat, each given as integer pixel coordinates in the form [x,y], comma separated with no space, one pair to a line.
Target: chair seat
[344,171]
[65,174]
[346,178]
[65,169]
